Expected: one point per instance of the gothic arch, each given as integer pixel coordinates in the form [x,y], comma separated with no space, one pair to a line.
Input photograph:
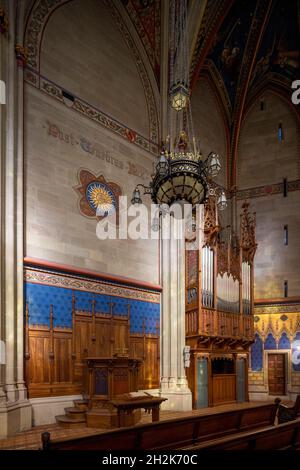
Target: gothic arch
[36,23]
[284,341]
[257,354]
[273,89]
[270,342]
[276,88]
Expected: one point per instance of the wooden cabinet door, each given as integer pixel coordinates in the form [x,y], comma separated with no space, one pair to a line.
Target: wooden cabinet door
[276,374]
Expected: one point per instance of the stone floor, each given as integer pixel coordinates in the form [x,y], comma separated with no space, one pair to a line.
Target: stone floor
[32,439]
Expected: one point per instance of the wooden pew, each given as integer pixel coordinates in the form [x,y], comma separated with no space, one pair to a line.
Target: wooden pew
[171,434]
[284,436]
[286,413]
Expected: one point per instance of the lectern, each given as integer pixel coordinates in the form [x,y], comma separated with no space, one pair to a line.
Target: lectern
[106,379]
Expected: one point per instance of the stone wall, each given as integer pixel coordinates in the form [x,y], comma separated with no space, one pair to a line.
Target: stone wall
[263,162]
[62,138]
[83,51]
[209,126]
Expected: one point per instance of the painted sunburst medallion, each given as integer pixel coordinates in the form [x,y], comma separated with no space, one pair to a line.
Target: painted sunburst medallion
[99,198]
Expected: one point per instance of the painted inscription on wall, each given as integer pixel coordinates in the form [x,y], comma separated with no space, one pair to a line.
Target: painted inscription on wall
[56,132]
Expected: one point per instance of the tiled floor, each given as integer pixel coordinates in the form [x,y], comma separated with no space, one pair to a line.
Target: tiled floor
[32,439]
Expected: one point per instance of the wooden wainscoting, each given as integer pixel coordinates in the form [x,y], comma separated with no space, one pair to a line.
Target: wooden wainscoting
[146,348]
[55,356]
[49,363]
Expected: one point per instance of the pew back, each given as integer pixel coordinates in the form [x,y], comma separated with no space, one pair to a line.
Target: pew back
[173,433]
[281,437]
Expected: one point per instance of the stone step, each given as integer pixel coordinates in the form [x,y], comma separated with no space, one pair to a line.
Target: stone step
[65,422]
[73,412]
[81,404]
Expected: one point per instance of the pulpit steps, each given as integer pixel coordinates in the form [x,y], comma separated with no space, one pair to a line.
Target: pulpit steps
[66,422]
[75,416]
[82,404]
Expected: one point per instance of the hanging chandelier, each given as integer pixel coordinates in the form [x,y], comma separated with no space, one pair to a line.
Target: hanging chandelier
[181,173]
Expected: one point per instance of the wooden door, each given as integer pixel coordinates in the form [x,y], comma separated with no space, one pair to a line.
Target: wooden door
[276,373]
[224,388]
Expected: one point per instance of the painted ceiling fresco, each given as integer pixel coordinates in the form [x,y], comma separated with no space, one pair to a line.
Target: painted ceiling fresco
[279,52]
[229,44]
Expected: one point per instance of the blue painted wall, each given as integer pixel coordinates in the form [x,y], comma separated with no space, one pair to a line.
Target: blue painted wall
[270,342]
[284,342]
[39,298]
[257,354]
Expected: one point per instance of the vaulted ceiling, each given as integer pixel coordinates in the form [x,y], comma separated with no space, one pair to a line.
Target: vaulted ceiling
[243,46]
[251,41]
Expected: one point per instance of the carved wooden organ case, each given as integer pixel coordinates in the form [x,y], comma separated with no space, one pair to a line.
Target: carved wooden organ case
[219,307]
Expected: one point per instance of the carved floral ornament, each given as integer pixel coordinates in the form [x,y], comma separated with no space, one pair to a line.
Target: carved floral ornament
[247,233]
[99,198]
[229,250]
[211,223]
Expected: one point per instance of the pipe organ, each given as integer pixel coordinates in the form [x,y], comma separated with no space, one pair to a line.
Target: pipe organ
[219,307]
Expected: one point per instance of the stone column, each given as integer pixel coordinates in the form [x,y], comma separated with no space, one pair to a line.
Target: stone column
[173,379]
[2,143]
[15,409]
[165,300]
[22,391]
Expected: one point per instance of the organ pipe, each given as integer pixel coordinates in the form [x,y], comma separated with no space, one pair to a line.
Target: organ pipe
[207,265]
[227,293]
[246,290]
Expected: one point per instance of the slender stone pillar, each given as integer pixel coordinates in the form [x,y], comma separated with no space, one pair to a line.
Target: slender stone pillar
[165,300]
[15,409]
[173,379]
[22,391]
[2,143]
[8,247]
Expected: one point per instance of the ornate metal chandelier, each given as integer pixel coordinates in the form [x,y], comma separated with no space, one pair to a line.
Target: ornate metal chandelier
[181,173]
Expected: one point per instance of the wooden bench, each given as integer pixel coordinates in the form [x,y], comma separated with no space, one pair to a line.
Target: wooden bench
[286,413]
[285,436]
[173,433]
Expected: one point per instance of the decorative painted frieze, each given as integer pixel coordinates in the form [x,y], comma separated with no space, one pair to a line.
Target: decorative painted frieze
[49,278]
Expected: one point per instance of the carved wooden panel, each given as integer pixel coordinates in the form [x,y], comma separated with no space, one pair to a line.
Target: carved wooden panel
[49,363]
[62,360]
[55,357]
[146,348]
[224,388]
[191,322]
[137,351]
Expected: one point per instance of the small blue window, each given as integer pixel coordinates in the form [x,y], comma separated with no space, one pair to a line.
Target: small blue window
[280,133]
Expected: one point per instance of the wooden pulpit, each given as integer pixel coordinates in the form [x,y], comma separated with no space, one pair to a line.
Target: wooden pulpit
[106,379]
